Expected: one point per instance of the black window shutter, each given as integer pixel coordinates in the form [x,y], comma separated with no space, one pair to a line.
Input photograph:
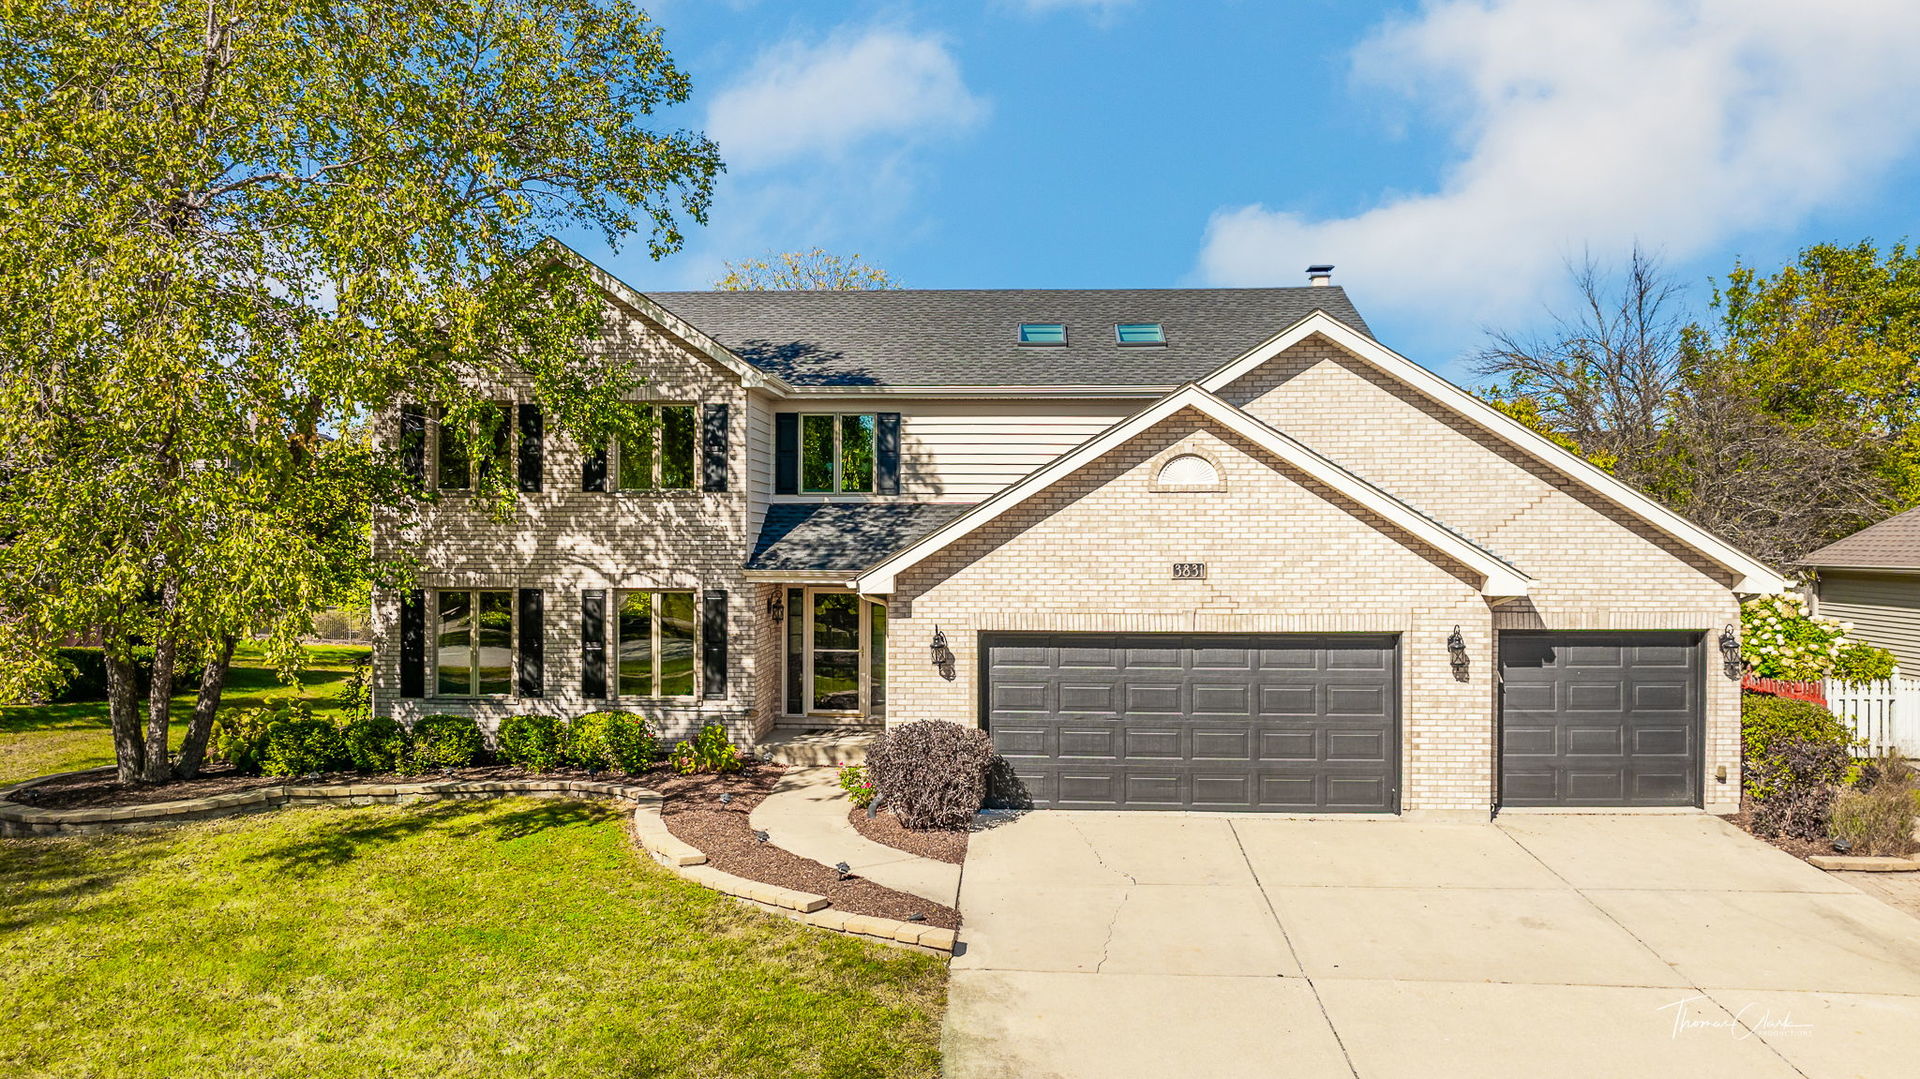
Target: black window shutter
[713,447]
[502,420]
[593,470]
[413,444]
[786,453]
[531,660]
[713,644]
[532,431]
[886,478]
[413,643]
[593,644]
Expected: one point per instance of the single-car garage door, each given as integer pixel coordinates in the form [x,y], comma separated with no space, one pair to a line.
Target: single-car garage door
[1600,719]
[1197,721]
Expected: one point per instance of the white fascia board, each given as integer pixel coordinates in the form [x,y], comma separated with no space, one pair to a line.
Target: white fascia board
[1501,580]
[1754,576]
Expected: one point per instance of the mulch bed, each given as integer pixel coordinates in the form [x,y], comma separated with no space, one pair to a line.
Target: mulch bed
[886,830]
[106,790]
[693,813]
[1799,848]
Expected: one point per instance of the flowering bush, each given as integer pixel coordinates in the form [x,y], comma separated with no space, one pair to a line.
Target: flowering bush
[1780,638]
[860,789]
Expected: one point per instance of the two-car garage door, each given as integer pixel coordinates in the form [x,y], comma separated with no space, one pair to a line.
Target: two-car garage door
[1197,721]
[1312,723]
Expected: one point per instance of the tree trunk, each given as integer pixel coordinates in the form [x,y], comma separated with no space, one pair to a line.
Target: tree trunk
[159,768]
[213,681]
[129,752]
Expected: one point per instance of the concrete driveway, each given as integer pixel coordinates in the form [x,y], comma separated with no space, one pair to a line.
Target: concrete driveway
[1118,944]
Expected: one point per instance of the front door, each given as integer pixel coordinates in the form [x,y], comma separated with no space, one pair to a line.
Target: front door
[836,655]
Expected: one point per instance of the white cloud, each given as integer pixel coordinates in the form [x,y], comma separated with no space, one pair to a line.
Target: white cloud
[827,99]
[1683,124]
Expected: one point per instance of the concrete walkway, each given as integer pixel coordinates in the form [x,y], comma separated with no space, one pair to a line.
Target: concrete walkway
[807,814]
[1123,944]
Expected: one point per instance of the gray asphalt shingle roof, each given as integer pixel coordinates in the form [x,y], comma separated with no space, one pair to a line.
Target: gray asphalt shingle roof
[847,536]
[965,337]
[1892,544]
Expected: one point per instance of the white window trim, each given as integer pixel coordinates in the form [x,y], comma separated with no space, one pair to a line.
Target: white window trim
[865,707]
[873,454]
[473,645]
[615,451]
[653,643]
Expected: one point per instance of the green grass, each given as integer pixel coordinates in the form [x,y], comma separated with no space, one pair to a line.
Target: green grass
[509,938]
[36,739]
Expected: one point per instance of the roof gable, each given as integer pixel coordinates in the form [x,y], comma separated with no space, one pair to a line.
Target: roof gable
[1754,575]
[1499,579]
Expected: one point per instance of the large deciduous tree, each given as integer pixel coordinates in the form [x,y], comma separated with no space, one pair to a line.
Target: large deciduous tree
[231,232]
[815,269]
[1789,421]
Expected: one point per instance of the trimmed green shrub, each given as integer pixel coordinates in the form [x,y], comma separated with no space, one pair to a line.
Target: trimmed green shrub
[708,751]
[1767,724]
[444,741]
[932,774]
[375,744]
[617,740]
[536,743]
[240,734]
[297,747]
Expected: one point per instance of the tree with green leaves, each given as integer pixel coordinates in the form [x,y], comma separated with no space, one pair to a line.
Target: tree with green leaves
[815,269]
[1791,421]
[232,232]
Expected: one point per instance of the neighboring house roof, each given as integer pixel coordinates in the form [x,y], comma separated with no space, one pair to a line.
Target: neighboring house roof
[843,536]
[1754,576]
[967,337]
[1499,579]
[1892,544]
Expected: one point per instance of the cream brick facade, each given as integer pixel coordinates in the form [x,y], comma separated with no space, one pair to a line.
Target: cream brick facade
[1093,553]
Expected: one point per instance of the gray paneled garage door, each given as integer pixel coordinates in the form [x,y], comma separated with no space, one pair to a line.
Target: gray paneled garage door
[1600,719]
[1197,721]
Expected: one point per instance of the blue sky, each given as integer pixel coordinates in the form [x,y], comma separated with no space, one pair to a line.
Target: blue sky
[1447,156]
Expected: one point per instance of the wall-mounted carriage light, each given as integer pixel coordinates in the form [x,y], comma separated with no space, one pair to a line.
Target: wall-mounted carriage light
[942,655]
[1730,651]
[776,609]
[1457,654]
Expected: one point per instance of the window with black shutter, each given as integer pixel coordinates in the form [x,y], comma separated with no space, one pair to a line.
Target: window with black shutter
[713,447]
[413,643]
[593,644]
[530,660]
[786,453]
[713,645]
[532,447]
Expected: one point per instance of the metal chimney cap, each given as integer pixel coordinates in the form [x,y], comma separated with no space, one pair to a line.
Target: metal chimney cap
[1320,273]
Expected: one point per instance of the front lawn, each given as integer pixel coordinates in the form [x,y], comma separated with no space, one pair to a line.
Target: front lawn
[507,938]
[36,739]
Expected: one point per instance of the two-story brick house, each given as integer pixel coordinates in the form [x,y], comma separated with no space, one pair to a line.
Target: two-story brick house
[1180,548]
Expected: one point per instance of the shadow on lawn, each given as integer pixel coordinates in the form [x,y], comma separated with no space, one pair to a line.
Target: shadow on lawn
[247,687]
[338,842]
[42,880]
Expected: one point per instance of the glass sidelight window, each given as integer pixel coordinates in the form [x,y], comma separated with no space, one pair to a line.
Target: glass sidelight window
[656,644]
[836,653]
[473,647]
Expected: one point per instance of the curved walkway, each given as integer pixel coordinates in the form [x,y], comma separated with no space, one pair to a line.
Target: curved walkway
[807,814]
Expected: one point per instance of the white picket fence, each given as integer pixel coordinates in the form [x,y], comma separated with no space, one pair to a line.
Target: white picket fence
[1885,713]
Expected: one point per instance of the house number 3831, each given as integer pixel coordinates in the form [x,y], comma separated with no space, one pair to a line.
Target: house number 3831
[1189,571]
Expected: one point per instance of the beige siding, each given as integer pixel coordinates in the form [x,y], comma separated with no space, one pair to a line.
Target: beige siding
[757,433]
[1883,607]
[965,451]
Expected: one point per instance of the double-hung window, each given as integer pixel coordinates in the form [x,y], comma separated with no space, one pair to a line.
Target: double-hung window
[456,468]
[661,457]
[657,653]
[837,453]
[473,646]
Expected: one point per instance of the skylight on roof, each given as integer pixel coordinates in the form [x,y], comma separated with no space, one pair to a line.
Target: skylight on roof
[1043,333]
[1139,333]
